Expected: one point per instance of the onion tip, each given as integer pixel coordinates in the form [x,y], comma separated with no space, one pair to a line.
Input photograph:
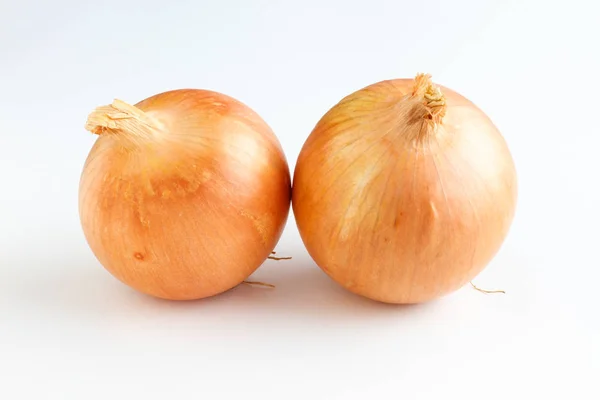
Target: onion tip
[121,117]
[431,96]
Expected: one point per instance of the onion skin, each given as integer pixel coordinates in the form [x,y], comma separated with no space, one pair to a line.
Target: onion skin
[404,191]
[184,195]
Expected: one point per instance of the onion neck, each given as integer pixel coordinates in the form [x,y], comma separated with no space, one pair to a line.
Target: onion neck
[124,120]
[429,95]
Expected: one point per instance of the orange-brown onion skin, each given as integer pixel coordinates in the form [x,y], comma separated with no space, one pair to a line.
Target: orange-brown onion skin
[194,212]
[396,219]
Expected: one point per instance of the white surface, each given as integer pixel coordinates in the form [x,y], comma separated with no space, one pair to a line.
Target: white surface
[68,330]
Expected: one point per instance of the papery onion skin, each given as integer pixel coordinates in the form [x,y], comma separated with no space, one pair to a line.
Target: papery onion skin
[404,191]
[183,195]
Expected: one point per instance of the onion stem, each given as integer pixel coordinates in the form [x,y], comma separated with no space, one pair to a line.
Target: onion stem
[432,96]
[124,119]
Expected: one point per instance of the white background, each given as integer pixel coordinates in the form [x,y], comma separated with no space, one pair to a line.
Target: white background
[68,330]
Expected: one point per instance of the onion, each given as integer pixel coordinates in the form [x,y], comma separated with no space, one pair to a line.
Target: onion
[404,191]
[183,195]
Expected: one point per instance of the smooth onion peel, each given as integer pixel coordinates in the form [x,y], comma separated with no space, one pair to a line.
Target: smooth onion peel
[183,195]
[404,191]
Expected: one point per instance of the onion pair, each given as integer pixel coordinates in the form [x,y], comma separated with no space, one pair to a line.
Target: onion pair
[403,192]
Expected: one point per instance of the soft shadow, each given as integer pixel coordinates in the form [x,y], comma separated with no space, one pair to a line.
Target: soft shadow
[75,285]
[80,287]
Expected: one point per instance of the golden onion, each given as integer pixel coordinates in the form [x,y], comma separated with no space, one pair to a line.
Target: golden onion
[184,194]
[404,191]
